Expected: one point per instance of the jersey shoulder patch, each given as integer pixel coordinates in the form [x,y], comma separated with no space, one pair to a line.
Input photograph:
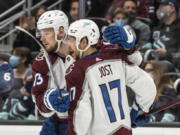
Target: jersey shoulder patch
[39,64]
[40,56]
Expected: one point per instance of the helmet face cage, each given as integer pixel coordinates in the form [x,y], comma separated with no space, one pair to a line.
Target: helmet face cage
[53,19]
[84,28]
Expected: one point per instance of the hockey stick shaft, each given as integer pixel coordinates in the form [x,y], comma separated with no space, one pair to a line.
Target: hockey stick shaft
[49,64]
[163,107]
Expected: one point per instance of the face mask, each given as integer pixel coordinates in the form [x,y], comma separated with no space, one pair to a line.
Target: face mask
[14,61]
[131,16]
[162,13]
[120,22]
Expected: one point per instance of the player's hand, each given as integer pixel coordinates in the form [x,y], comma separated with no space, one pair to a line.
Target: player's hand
[136,120]
[120,35]
[54,101]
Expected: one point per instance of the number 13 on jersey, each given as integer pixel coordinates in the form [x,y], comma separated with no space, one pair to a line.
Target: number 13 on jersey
[107,101]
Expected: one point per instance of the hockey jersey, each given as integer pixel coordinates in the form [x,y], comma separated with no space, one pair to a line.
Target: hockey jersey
[43,80]
[99,104]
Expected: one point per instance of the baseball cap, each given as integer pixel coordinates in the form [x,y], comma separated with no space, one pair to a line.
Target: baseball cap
[170,2]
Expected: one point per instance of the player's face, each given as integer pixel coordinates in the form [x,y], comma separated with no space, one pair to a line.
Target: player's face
[64,49]
[48,39]
[71,42]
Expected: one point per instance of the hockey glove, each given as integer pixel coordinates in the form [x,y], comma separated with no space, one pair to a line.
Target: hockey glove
[119,35]
[53,101]
[136,120]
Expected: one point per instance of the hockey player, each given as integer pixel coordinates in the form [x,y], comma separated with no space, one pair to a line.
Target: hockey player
[53,26]
[48,100]
[96,83]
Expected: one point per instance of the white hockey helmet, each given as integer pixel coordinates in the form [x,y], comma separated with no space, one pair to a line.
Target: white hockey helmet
[53,19]
[84,28]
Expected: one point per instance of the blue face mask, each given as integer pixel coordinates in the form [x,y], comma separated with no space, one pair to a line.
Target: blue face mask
[14,61]
[120,22]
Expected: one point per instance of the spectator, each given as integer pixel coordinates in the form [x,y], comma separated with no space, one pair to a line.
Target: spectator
[39,11]
[165,89]
[20,60]
[165,36]
[74,10]
[142,30]
[6,78]
[24,40]
[120,14]
[19,104]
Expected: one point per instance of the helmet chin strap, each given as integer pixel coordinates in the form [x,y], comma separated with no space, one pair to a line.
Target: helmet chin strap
[80,54]
[59,42]
[81,51]
[58,46]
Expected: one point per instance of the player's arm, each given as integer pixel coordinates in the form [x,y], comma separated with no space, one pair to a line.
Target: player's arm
[48,100]
[145,92]
[40,85]
[143,86]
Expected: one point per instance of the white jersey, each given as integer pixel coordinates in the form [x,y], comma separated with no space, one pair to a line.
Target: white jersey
[99,98]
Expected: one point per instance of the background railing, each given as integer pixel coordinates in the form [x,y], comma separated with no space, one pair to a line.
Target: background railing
[7,24]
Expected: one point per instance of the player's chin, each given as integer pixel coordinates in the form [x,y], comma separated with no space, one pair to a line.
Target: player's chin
[49,50]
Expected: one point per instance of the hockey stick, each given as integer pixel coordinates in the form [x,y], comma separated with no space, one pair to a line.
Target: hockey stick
[45,55]
[163,107]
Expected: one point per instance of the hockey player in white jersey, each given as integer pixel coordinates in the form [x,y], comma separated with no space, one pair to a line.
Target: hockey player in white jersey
[96,83]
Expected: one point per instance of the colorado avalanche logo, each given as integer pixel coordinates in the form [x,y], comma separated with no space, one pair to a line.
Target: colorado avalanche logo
[69,69]
[40,56]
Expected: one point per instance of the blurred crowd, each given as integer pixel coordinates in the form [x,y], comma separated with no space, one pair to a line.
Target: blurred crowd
[156,24]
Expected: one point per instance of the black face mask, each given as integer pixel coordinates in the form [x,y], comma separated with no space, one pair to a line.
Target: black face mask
[131,17]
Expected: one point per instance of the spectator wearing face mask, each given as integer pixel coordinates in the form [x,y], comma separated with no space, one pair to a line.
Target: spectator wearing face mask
[18,104]
[20,61]
[120,15]
[166,37]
